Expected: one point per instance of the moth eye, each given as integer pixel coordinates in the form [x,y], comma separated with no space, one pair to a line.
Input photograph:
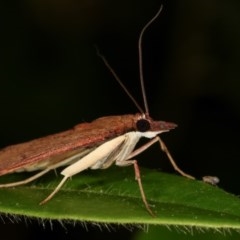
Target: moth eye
[143,125]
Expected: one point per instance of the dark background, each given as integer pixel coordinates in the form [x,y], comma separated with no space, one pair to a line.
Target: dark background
[52,79]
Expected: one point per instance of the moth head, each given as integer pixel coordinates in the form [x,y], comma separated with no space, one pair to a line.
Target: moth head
[145,124]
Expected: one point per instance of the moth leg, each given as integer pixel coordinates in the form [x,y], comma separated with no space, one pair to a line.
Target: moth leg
[55,191]
[175,166]
[213,180]
[25,181]
[164,149]
[138,178]
[86,162]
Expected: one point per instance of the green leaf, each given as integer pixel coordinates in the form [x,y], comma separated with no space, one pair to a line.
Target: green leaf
[112,196]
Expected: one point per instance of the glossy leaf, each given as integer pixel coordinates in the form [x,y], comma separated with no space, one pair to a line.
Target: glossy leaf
[112,196]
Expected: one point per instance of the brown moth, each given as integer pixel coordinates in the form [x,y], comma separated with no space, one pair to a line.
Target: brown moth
[94,145]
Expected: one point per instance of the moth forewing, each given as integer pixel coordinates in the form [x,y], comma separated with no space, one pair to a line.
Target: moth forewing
[45,166]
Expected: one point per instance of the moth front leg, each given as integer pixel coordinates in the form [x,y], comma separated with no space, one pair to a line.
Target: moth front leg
[164,149]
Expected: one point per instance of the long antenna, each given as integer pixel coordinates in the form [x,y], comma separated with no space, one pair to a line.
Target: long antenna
[140,59]
[140,68]
[119,80]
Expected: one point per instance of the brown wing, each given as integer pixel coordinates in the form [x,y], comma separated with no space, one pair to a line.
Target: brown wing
[54,148]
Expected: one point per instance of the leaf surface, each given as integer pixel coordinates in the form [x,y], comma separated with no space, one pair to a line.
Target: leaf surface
[112,196]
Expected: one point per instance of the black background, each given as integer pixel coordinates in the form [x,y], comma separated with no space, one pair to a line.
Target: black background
[52,79]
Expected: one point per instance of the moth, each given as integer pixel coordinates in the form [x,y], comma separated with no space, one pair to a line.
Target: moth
[94,145]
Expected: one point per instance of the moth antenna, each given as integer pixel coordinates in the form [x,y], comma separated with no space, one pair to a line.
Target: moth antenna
[140,59]
[119,80]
